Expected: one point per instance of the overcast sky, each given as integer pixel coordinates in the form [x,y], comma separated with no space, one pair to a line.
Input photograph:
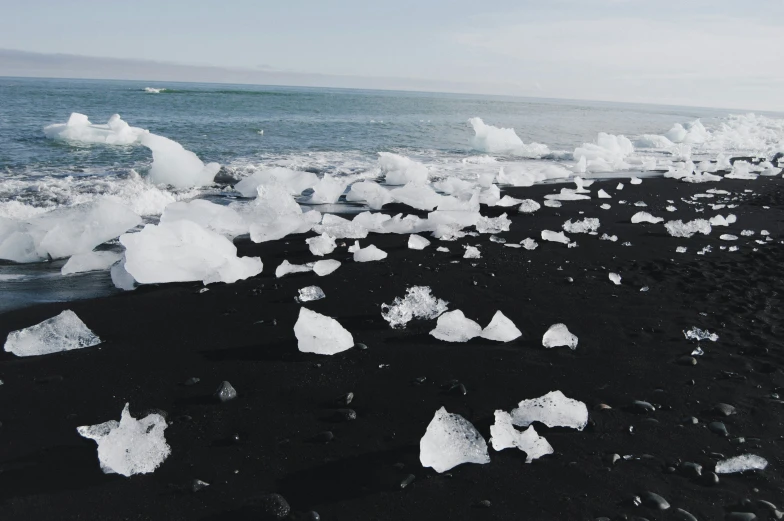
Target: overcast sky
[718,53]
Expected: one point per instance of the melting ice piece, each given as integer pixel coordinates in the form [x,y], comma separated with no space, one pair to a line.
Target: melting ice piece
[645,217]
[553,409]
[294,181]
[728,237]
[671,209]
[417,242]
[310,293]
[419,302]
[353,248]
[605,206]
[507,201]
[501,329]
[681,249]
[216,217]
[603,195]
[606,237]
[450,440]
[700,334]
[129,446]
[375,195]
[548,235]
[92,261]
[319,334]
[680,229]
[529,206]
[399,170]
[587,225]
[453,326]
[173,165]
[552,203]
[328,189]
[322,245]
[325,267]
[558,335]
[741,463]
[615,278]
[340,228]
[503,435]
[529,244]
[78,128]
[443,249]
[472,252]
[635,181]
[369,254]
[63,332]
[493,224]
[619,187]
[286,267]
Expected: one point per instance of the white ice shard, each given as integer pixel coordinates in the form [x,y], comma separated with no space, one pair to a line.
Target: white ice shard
[400,170]
[553,409]
[419,302]
[354,247]
[294,181]
[494,140]
[681,249]
[607,154]
[63,332]
[529,244]
[558,335]
[173,165]
[728,237]
[698,334]
[603,195]
[286,267]
[328,189]
[605,237]
[472,252]
[529,206]
[503,435]
[325,267]
[320,334]
[218,218]
[501,329]
[507,201]
[645,217]
[129,446]
[182,251]
[615,279]
[310,293]
[741,463]
[419,196]
[453,326]
[549,235]
[680,229]
[79,129]
[90,261]
[417,242]
[635,181]
[587,225]
[375,195]
[275,214]
[369,254]
[567,194]
[493,224]
[340,228]
[619,186]
[321,245]
[450,440]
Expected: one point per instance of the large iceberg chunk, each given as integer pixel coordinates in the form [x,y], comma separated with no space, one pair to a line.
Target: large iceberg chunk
[400,170]
[328,189]
[493,224]
[63,332]
[450,440]
[79,129]
[91,261]
[503,435]
[218,218]
[372,193]
[553,409]
[453,326]
[275,214]
[129,446]
[173,165]
[501,329]
[494,140]
[319,334]
[741,463]
[294,181]
[419,302]
[558,335]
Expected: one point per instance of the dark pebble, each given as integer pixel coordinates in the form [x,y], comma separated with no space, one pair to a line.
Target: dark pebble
[723,409]
[272,507]
[344,415]
[641,407]
[690,469]
[191,381]
[485,503]
[690,420]
[323,437]
[419,380]
[681,515]
[687,360]
[56,378]
[225,392]
[654,501]
[740,516]
[710,479]
[361,346]
[407,481]
[718,428]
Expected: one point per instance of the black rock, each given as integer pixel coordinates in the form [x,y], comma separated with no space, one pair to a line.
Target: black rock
[361,346]
[690,469]
[740,516]
[485,503]
[641,407]
[710,479]
[654,501]
[323,437]
[691,420]
[225,392]
[191,381]
[718,428]
[407,481]
[681,515]
[344,415]
[687,360]
[459,389]
[271,507]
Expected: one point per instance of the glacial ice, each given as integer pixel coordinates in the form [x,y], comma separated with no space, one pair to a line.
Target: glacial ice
[340,228]
[286,267]
[493,224]
[680,229]
[503,435]
[615,279]
[606,155]
[419,196]
[294,181]
[372,193]
[369,254]
[63,332]
[401,170]
[419,302]
[549,235]
[275,214]
[700,334]
[472,252]
[416,242]
[328,189]
[507,201]
[218,218]
[321,245]
[529,244]
[728,237]
[645,217]
[691,133]
[450,440]
[320,334]
[90,261]
[605,237]
[501,329]
[601,194]
[310,293]
[635,181]
[453,326]
[129,446]
[605,206]
[173,165]
[587,225]
[741,463]
[529,206]
[553,410]
[494,140]
[558,335]
[531,172]
[325,267]
[567,194]
[79,129]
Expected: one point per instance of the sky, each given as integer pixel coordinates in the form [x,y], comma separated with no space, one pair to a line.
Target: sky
[717,53]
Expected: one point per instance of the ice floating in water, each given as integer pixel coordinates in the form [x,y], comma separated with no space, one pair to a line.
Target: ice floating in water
[400,170]
[548,235]
[63,332]
[529,206]
[218,218]
[472,252]
[645,217]
[173,165]
[79,129]
[416,242]
[450,440]
[419,302]
[153,90]
[319,334]
[369,254]
[606,155]
[553,409]
[531,172]
[587,225]
[321,245]
[91,261]
[182,251]
[325,267]
[494,140]
[129,446]
[503,435]
[453,326]
[310,293]
[501,329]
[698,334]
[615,279]
[559,336]
[529,244]
[294,181]
[680,229]
[741,463]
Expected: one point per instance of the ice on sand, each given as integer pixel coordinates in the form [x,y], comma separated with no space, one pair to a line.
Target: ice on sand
[417,242]
[741,463]
[553,410]
[375,195]
[635,181]
[91,261]
[680,229]
[328,189]
[325,267]
[529,206]
[400,170]
[493,224]
[286,267]
[503,435]
[529,244]
[63,332]
[559,336]
[615,278]
[450,440]
[698,334]
[319,334]
[548,235]
[79,129]
[369,254]
[321,245]
[310,293]
[294,181]
[419,302]
[274,214]
[453,326]
[218,218]
[645,217]
[472,252]
[603,195]
[173,165]
[728,237]
[340,228]
[129,446]
[501,329]
[587,225]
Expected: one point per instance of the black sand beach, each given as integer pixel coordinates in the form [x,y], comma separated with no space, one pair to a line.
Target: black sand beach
[268,440]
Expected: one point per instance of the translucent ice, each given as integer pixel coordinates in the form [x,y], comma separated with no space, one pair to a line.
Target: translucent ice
[607,154]
[325,267]
[328,189]
[645,217]
[493,224]
[603,195]
[700,334]
[416,242]
[419,196]
[529,244]
[503,435]
[286,267]
[372,193]
[319,334]
[501,329]
[553,409]
[294,181]
[529,206]
[680,229]
[472,252]
[635,181]
[507,201]
[91,261]
[494,140]
[340,228]
[453,326]
[63,332]
[173,165]
[310,293]
[615,279]
[605,237]
[129,446]
[369,254]
[558,335]
[587,225]
[321,245]
[218,218]
[78,128]
[451,440]
[419,302]
[741,463]
[728,237]
[548,235]
[399,170]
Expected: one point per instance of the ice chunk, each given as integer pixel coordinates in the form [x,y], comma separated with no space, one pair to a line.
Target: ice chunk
[503,435]
[472,252]
[340,228]
[321,245]
[218,218]
[91,261]
[587,225]
[450,440]
[603,195]
[501,329]
[328,190]
[372,193]
[548,235]
[567,194]
[182,251]
[325,267]
[529,206]
[741,463]
[681,249]
[605,206]
[120,277]
[443,249]
[419,302]
[416,242]
[286,267]
[130,446]
[553,410]
[275,214]
[558,336]
[728,237]
[369,254]
[310,293]
[494,140]
[606,155]
[619,186]
[79,129]
[615,279]
[552,204]
[529,244]
[680,229]
[319,334]
[635,181]
[63,332]
[606,237]
[699,334]
[400,170]
[453,326]
[294,181]
[418,196]
[173,165]
[531,172]
[354,247]
[645,217]
[493,224]
[507,201]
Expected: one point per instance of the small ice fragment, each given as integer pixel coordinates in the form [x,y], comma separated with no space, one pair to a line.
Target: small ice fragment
[443,249]
[699,334]
[419,302]
[552,203]
[472,252]
[680,229]
[558,335]
[606,237]
[496,239]
[286,267]
[509,245]
[741,463]
[627,243]
[681,249]
[764,232]
[417,242]
[644,289]
[640,203]
[453,326]
[572,245]
[501,329]
[732,248]
[354,247]
[503,435]
[529,244]
[698,352]
[671,208]
[529,206]
[369,254]
[325,267]
[587,225]
[321,245]
[619,187]
[63,332]
[451,440]
[493,224]
[320,334]
[310,293]
[615,278]
[747,233]
[645,217]
[605,206]
[548,235]
[728,237]
[553,409]
[635,181]
[603,195]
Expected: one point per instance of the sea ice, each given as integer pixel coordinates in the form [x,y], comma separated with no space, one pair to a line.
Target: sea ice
[129,446]
[507,201]
[416,242]
[619,186]
[645,217]
[553,410]
[173,165]
[450,440]
[728,237]
[79,129]
[503,435]
[63,332]
[501,329]
[605,206]
[472,252]
[557,336]
[275,214]
[606,155]
[548,235]
[419,302]
[369,254]
[453,326]
[325,267]
[286,267]
[529,206]
[310,293]
[400,170]
[419,196]
[680,229]
[494,140]
[615,279]
[741,463]
[321,245]
[319,334]
[529,244]
[587,225]
[91,261]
